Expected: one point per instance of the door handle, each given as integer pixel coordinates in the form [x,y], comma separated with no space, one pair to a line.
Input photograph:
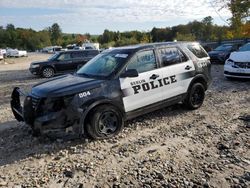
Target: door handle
[154,76]
[188,67]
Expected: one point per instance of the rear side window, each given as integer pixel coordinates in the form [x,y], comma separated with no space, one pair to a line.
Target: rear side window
[92,53]
[143,61]
[197,50]
[76,55]
[171,56]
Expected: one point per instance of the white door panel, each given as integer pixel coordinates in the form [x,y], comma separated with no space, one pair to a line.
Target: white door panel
[182,77]
[140,91]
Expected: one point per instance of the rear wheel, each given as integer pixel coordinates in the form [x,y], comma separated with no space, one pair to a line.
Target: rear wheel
[48,72]
[195,96]
[105,121]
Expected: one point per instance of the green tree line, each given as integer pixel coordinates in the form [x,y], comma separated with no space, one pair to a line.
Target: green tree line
[204,30]
[32,40]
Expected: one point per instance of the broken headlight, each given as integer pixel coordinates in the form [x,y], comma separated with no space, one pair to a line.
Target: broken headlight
[230,62]
[58,103]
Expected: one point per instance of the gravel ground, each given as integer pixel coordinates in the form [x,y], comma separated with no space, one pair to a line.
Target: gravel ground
[172,147]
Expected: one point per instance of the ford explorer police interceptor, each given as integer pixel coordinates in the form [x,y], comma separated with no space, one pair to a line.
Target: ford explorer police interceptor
[116,85]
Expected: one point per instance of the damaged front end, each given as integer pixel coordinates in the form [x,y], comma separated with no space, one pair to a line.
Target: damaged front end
[56,115]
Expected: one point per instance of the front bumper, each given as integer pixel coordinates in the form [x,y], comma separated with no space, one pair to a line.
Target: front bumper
[33,111]
[35,71]
[16,106]
[234,72]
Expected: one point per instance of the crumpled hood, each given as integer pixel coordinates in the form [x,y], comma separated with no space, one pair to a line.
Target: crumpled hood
[240,56]
[64,85]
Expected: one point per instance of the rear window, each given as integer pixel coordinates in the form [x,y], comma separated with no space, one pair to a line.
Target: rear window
[197,50]
[246,47]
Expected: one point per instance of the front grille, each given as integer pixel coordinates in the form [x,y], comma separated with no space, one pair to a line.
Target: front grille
[244,65]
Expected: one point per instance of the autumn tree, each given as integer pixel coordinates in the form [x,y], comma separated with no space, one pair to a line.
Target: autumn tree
[239,9]
[80,39]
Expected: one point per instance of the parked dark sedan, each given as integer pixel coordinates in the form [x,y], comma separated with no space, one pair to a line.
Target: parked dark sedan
[221,53]
[62,62]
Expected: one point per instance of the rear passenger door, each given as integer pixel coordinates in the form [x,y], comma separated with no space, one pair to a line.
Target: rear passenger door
[177,71]
[77,60]
[141,91]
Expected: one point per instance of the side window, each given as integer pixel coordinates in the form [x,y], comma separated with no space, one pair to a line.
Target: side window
[197,50]
[76,55]
[171,56]
[92,53]
[143,61]
[64,57]
[84,53]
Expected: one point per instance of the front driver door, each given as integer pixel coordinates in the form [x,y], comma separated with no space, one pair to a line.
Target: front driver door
[64,62]
[142,90]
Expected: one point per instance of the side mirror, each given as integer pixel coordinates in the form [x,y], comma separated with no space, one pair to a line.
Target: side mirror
[130,73]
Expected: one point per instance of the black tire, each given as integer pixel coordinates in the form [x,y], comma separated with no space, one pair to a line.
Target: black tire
[195,96]
[104,121]
[48,72]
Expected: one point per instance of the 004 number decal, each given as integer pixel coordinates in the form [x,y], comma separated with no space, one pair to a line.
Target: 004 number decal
[84,94]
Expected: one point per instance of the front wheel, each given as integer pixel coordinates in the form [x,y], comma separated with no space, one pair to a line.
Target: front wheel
[105,121]
[195,96]
[48,72]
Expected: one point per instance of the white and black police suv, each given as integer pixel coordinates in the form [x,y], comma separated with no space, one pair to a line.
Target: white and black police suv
[116,85]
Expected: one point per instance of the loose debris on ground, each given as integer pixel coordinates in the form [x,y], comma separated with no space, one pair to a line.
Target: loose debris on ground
[172,147]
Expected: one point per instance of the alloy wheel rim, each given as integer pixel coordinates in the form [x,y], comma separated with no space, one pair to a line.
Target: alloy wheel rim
[47,72]
[108,123]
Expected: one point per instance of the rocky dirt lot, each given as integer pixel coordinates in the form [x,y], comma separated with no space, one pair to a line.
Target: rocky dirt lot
[172,147]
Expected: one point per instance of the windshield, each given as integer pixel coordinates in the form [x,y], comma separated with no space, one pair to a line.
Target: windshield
[103,65]
[245,47]
[223,48]
[53,56]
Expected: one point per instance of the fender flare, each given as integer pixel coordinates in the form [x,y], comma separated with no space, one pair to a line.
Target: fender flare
[199,78]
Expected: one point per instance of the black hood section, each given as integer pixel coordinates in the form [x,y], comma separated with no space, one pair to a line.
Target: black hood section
[40,62]
[216,52]
[64,85]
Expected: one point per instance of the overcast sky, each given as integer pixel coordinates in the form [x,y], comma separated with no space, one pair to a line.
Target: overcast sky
[93,16]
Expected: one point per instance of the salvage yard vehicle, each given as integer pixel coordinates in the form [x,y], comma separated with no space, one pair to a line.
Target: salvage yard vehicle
[1,55]
[238,64]
[222,52]
[62,62]
[116,85]
[16,53]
